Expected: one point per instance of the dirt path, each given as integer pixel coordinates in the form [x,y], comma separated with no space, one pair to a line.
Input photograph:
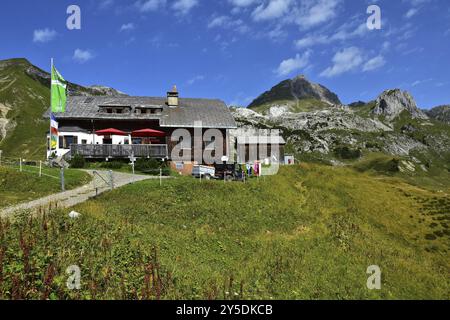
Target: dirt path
[72,197]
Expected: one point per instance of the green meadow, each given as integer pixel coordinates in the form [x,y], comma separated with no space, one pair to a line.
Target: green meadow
[309,232]
[16,186]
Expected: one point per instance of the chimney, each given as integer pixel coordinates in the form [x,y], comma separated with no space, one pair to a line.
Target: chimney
[172,97]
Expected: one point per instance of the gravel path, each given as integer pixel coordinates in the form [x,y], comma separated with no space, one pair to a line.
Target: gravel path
[72,197]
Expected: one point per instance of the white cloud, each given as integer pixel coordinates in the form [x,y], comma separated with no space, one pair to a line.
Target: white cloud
[345,32]
[420,82]
[242,3]
[195,79]
[411,12]
[44,35]
[82,56]
[374,63]
[272,10]
[315,12]
[104,4]
[228,23]
[149,5]
[127,27]
[345,60]
[184,6]
[293,64]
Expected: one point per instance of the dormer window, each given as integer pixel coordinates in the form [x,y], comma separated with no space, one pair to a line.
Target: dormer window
[148,110]
[114,109]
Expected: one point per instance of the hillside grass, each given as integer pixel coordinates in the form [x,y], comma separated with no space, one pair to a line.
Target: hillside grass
[309,232]
[28,99]
[16,186]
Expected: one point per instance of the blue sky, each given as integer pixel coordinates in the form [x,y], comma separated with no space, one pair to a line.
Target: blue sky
[236,49]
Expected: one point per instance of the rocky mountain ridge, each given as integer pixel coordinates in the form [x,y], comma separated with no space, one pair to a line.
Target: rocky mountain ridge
[295,91]
[392,124]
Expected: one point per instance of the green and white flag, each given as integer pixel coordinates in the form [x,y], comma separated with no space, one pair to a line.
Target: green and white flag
[58,92]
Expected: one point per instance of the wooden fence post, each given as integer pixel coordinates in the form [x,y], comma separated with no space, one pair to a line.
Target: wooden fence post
[40,168]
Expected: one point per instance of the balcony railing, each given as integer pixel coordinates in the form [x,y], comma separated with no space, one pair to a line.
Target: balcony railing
[119,150]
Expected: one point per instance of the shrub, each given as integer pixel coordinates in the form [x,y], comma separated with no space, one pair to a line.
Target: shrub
[345,152]
[77,162]
[147,165]
[394,165]
[112,165]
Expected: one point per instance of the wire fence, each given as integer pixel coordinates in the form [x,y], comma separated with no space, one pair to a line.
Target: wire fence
[33,167]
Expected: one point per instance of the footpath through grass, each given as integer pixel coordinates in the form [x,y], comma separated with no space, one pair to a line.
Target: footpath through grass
[308,233]
[16,186]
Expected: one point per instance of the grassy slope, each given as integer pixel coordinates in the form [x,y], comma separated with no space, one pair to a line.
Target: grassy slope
[308,233]
[29,100]
[18,186]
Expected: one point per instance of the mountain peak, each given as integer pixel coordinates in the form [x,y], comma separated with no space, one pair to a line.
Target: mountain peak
[294,90]
[391,103]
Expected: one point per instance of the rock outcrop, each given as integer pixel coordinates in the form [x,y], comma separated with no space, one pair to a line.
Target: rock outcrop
[391,103]
[441,113]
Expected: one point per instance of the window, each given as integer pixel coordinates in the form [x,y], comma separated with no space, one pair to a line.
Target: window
[148,110]
[66,141]
[114,109]
[84,141]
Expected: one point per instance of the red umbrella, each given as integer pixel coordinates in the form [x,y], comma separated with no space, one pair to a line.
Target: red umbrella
[148,133]
[110,132]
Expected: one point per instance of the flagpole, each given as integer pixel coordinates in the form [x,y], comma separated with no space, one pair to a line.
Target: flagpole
[50,115]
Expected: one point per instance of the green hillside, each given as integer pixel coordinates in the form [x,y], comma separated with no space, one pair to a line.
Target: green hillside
[16,187]
[24,97]
[308,233]
[25,101]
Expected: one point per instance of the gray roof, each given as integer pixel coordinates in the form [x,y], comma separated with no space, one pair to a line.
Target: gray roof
[211,113]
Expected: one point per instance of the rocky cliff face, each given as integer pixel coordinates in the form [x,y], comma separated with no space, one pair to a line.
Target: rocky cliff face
[391,103]
[295,89]
[441,113]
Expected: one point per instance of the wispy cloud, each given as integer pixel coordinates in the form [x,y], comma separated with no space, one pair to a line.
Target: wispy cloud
[44,35]
[184,6]
[149,5]
[420,82]
[294,64]
[227,22]
[374,63]
[104,4]
[345,32]
[345,60]
[195,79]
[127,27]
[243,3]
[315,12]
[274,9]
[411,13]
[82,56]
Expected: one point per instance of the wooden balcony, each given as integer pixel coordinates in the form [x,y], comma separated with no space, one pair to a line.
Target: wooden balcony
[99,151]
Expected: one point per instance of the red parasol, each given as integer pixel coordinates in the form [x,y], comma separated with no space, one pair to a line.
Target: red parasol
[110,132]
[148,133]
